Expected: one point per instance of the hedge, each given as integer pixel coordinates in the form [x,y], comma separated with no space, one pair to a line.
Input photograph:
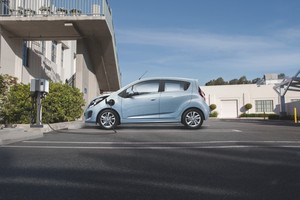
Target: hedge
[63,103]
[269,116]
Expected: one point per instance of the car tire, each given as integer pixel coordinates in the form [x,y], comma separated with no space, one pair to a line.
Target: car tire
[108,119]
[192,118]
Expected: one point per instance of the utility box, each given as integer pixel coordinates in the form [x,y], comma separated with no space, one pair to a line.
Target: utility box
[39,85]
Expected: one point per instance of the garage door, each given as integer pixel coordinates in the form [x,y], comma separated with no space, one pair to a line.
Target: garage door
[229,109]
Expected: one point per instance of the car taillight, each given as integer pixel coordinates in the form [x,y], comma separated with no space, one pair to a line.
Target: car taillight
[202,94]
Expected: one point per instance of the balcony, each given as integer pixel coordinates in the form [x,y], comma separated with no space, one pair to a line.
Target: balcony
[52,7]
[56,8]
[87,21]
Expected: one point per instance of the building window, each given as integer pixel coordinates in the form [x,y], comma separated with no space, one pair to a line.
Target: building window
[4,5]
[263,106]
[25,54]
[53,51]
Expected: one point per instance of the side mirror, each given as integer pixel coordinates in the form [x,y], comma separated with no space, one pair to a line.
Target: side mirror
[131,94]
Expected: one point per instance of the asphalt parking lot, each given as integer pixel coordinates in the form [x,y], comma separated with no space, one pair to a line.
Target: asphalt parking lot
[226,159]
[214,132]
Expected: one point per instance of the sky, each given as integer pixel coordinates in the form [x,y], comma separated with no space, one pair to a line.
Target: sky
[206,39]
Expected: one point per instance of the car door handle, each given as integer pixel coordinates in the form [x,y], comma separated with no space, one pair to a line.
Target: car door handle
[153,99]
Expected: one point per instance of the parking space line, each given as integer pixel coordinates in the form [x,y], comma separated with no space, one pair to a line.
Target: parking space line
[158,143]
[236,130]
[155,145]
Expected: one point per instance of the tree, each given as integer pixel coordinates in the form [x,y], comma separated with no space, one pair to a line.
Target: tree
[281,76]
[219,81]
[256,80]
[233,82]
[243,80]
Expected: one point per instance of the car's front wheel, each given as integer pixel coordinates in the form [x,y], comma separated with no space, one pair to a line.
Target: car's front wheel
[192,118]
[108,119]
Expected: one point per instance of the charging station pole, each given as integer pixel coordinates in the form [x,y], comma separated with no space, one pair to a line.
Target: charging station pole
[39,110]
[38,89]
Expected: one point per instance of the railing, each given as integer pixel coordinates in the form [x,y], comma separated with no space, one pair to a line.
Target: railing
[32,8]
[54,7]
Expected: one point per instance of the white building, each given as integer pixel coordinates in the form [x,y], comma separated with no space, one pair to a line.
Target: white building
[231,99]
[60,40]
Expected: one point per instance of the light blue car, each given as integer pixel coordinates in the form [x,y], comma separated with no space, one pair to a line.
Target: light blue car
[151,100]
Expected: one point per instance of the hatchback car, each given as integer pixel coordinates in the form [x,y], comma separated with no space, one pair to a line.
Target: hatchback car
[151,100]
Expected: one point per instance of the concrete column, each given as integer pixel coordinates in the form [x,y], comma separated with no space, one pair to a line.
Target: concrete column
[86,79]
[282,103]
[11,58]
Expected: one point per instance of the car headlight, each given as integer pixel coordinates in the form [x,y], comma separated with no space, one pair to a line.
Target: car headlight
[96,101]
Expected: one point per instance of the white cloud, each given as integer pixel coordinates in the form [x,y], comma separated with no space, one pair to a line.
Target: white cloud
[196,40]
[290,34]
[243,54]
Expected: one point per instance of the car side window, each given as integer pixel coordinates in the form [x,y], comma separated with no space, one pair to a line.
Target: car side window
[143,88]
[176,86]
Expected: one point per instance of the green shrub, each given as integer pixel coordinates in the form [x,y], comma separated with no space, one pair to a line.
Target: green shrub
[274,116]
[269,116]
[63,103]
[17,107]
[255,115]
[6,82]
[212,107]
[287,117]
[214,114]
[248,106]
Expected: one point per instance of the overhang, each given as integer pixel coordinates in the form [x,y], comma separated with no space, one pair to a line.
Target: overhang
[288,84]
[93,29]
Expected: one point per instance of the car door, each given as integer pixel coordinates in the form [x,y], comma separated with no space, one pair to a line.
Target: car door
[141,101]
[175,96]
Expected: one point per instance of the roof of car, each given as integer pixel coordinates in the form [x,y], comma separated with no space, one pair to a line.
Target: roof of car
[159,78]
[169,78]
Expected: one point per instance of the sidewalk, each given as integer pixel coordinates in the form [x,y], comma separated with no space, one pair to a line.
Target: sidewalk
[24,132]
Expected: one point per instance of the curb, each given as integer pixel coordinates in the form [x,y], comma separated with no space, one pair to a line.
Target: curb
[25,132]
[18,134]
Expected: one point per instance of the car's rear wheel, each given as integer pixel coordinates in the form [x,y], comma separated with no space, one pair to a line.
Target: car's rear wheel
[108,119]
[192,118]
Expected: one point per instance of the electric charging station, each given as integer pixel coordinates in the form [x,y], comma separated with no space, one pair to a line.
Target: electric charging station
[39,88]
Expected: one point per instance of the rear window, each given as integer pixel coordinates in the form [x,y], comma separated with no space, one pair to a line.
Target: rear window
[175,86]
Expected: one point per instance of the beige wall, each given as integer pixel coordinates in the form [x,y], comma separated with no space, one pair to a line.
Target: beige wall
[11,63]
[243,94]
[10,55]
[86,79]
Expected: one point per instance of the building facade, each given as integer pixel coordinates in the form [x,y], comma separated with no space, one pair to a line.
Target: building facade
[61,41]
[231,99]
